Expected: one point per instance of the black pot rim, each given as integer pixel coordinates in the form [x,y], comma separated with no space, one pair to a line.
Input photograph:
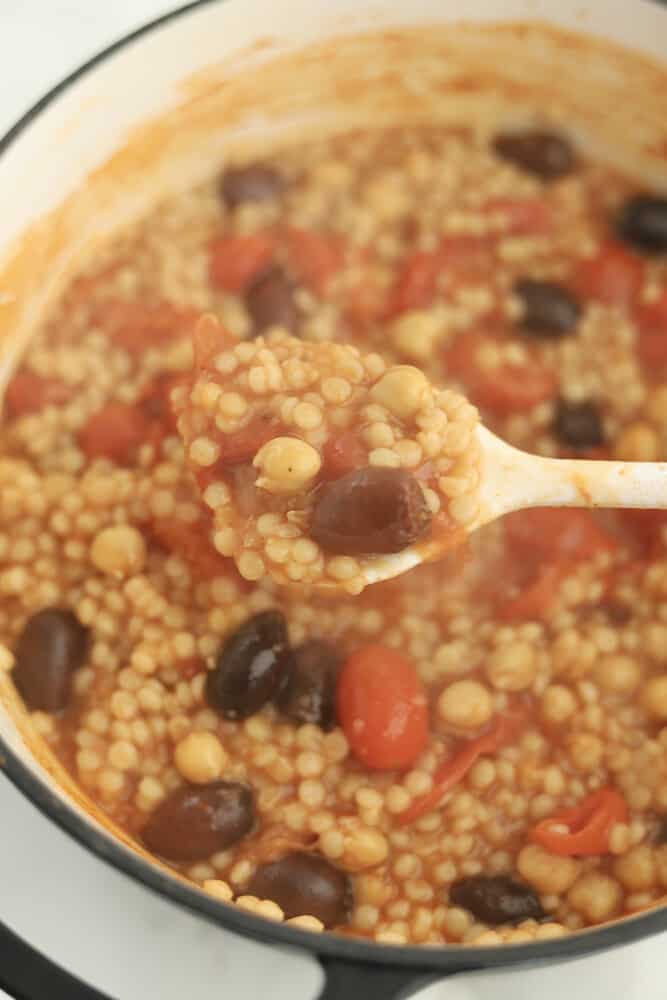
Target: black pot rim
[110,850]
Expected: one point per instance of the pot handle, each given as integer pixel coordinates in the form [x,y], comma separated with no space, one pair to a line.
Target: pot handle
[27,975]
[346,980]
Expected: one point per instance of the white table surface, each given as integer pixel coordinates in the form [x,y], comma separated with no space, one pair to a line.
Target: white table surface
[52,892]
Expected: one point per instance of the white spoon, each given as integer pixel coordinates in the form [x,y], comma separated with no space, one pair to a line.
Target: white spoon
[512,480]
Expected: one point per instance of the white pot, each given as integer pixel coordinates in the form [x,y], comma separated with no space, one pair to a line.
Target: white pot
[158,111]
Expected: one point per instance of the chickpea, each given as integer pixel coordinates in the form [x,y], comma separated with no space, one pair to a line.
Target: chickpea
[548,873]
[415,334]
[638,443]
[617,673]
[119,551]
[364,848]
[200,757]
[653,697]
[219,889]
[635,870]
[465,703]
[558,704]
[512,667]
[586,751]
[286,465]
[402,390]
[595,896]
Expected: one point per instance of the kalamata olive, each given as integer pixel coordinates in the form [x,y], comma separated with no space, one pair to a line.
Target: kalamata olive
[642,222]
[193,823]
[270,301]
[496,899]
[368,511]
[253,182]
[548,309]
[250,667]
[309,692]
[578,425]
[544,154]
[52,645]
[301,884]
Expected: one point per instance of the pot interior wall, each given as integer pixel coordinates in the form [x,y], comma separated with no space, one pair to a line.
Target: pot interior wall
[123,138]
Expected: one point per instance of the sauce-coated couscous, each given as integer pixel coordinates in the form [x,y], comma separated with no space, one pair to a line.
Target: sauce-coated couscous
[475,752]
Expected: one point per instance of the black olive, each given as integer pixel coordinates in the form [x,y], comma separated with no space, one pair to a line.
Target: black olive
[52,645]
[578,425]
[304,884]
[309,692]
[193,823]
[544,154]
[270,302]
[253,182]
[496,899]
[547,310]
[369,511]
[642,222]
[249,669]
[661,832]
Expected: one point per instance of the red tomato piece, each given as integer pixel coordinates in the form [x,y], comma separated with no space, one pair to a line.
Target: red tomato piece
[234,261]
[556,533]
[537,597]
[466,259]
[645,527]
[652,323]
[382,708]
[115,432]
[135,326]
[315,257]
[29,393]
[416,283]
[342,454]
[514,388]
[584,829]
[504,390]
[191,541]
[615,277]
[523,216]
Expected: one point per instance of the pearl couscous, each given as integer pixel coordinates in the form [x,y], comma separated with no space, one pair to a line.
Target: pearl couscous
[475,752]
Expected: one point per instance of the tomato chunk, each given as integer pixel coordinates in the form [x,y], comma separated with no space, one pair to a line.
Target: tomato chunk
[652,341]
[342,454]
[29,393]
[192,543]
[535,600]
[614,277]
[315,257]
[523,216]
[506,389]
[115,432]
[234,261]
[382,708]
[136,327]
[556,533]
[416,283]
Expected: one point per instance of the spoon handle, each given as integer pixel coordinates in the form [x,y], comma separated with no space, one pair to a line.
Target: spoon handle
[514,480]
